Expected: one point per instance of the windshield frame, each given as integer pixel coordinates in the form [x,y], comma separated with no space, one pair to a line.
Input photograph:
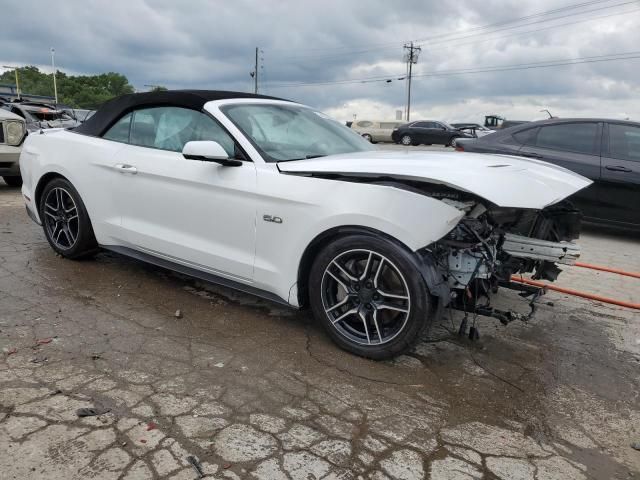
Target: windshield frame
[266,157]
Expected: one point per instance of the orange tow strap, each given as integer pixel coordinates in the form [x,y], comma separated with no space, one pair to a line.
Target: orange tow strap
[608,269]
[569,291]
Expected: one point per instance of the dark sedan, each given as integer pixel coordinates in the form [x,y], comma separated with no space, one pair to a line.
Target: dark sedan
[606,151]
[427,132]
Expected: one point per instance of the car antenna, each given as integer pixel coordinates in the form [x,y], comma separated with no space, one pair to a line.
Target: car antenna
[548,112]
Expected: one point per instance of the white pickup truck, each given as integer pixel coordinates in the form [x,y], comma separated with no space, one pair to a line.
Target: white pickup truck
[12,133]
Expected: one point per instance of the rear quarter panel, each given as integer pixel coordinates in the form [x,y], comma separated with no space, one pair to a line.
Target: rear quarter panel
[84,161]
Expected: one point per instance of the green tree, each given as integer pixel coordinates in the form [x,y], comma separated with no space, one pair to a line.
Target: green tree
[77,91]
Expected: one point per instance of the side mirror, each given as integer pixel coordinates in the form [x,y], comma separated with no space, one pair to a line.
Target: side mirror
[208,151]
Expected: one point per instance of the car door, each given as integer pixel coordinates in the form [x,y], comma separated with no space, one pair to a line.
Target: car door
[441,134]
[195,213]
[620,174]
[419,132]
[575,146]
[375,132]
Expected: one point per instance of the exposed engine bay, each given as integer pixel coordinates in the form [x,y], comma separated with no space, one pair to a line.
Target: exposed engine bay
[490,244]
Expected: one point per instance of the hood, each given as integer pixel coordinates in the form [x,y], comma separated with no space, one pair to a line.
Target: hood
[504,180]
[7,115]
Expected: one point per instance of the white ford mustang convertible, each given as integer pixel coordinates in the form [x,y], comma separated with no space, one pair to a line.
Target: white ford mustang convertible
[274,198]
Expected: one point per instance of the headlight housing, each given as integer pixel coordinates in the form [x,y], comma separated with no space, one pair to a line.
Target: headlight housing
[15,132]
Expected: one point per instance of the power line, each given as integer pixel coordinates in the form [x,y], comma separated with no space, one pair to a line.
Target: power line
[516,34]
[474,70]
[429,40]
[557,63]
[528,17]
[442,37]
[544,13]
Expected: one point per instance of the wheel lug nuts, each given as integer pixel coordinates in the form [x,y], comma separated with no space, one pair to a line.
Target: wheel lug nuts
[356,287]
[369,285]
[369,307]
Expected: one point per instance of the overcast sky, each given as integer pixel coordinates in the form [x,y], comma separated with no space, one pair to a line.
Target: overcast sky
[211,45]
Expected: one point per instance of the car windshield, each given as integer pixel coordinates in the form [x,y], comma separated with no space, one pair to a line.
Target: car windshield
[293,132]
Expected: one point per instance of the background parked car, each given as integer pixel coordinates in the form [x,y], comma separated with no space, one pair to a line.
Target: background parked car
[375,131]
[12,133]
[41,115]
[606,151]
[428,132]
[473,129]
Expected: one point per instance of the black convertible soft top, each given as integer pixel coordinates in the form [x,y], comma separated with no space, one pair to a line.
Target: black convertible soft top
[110,111]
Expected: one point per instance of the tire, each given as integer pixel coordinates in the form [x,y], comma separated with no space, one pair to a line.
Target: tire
[406,140]
[367,137]
[83,243]
[452,141]
[13,181]
[391,292]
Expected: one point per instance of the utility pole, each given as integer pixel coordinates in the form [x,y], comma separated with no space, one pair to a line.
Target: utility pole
[15,70]
[255,77]
[411,58]
[53,67]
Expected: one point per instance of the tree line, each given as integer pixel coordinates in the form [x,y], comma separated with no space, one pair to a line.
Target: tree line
[77,91]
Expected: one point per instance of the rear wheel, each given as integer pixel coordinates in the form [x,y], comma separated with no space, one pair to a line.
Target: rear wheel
[65,220]
[367,137]
[13,181]
[369,296]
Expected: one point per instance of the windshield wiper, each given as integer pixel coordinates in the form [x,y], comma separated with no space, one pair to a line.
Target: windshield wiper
[306,157]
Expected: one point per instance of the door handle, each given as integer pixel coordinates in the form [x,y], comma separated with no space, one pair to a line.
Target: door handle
[618,168]
[531,155]
[124,168]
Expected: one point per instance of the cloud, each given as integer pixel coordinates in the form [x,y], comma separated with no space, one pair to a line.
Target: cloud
[203,44]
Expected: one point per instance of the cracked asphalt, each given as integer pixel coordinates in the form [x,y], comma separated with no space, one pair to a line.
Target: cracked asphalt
[255,391]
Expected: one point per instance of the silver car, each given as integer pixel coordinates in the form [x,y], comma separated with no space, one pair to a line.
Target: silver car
[12,133]
[376,131]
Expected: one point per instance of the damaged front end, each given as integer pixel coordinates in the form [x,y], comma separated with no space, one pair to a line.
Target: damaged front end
[490,244]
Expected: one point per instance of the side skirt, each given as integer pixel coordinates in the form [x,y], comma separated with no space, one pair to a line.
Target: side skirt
[192,272]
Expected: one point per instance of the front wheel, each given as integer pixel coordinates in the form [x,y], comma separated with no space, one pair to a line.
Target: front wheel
[65,220]
[452,142]
[406,140]
[13,181]
[367,137]
[369,295]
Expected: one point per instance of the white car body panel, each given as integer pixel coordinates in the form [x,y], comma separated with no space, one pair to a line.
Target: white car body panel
[214,218]
[504,180]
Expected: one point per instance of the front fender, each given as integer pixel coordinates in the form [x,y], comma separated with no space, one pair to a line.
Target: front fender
[311,206]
